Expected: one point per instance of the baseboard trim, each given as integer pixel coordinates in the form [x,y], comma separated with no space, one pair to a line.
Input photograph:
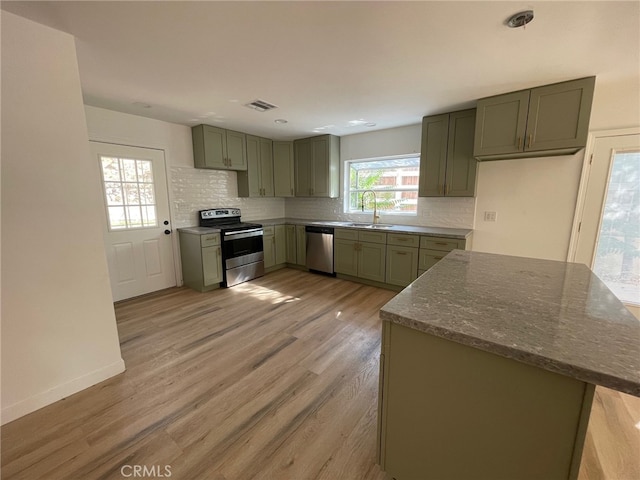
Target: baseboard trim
[40,400]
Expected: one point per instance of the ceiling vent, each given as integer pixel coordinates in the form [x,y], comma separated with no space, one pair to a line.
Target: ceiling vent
[260,105]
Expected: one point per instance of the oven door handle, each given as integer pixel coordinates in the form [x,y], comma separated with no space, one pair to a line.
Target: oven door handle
[256,232]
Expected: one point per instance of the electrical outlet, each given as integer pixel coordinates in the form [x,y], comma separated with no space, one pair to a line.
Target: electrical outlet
[490,216]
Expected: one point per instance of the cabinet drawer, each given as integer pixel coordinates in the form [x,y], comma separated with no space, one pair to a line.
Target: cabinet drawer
[403,240]
[443,244]
[210,240]
[428,258]
[268,231]
[372,237]
[345,234]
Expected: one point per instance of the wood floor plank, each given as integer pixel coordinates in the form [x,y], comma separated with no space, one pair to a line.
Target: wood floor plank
[272,379]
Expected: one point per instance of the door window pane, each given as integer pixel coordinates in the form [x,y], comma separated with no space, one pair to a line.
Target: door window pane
[617,258]
[129,182]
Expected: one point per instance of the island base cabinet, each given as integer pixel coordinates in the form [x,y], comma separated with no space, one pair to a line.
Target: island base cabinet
[450,411]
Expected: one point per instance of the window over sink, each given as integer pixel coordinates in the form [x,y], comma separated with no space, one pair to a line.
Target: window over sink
[393,179]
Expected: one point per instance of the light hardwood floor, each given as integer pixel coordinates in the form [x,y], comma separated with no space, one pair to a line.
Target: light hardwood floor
[272,379]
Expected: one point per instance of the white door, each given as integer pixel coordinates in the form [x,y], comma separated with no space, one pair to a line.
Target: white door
[608,236]
[137,231]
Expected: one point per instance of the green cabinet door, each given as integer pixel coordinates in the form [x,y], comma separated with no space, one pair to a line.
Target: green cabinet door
[283,169]
[320,167]
[257,179]
[290,234]
[461,164]
[280,240]
[269,247]
[209,146]
[236,150]
[303,167]
[345,256]
[266,167]
[249,180]
[301,245]
[217,148]
[559,115]
[433,156]
[211,265]
[372,261]
[317,166]
[402,265]
[501,123]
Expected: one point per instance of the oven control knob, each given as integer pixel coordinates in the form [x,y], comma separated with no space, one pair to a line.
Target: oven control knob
[167,232]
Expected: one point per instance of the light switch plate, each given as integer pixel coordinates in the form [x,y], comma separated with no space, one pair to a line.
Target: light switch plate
[490,216]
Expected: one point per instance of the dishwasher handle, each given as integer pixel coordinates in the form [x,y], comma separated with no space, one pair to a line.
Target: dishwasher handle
[314,229]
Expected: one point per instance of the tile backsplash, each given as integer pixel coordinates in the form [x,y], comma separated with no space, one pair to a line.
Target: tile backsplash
[434,212]
[195,189]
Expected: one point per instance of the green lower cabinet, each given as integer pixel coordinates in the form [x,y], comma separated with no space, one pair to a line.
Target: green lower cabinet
[402,265]
[301,245]
[360,254]
[201,260]
[211,266]
[371,261]
[428,258]
[281,245]
[275,246]
[434,249]
[451,411]
[290,241]
[269,245]
[345,257]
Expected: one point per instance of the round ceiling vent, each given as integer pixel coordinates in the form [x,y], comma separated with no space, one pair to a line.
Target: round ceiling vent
[520,19]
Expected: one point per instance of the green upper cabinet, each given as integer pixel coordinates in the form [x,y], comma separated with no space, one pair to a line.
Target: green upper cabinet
[543,121]
[283,169]
[447,165]
[257,180]
[218,148]
[317,166]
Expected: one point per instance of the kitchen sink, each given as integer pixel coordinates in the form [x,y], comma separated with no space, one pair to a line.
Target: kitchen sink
[370,225]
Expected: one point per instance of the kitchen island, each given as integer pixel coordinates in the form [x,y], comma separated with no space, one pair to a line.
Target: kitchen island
[489,364]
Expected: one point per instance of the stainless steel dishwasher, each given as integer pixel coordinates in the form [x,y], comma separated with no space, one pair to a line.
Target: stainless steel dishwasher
[320,249]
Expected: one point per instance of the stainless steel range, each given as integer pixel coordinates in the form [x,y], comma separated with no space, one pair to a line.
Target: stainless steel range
[242,247]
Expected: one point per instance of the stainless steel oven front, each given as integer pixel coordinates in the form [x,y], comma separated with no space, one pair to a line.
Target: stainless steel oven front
[242,254]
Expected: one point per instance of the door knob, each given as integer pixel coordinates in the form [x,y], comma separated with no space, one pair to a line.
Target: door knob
[167,232]
[166,222]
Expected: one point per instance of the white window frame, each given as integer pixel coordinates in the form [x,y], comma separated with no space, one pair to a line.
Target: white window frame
[347,185]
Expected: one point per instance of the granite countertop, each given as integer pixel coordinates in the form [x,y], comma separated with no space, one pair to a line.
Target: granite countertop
[554,315]
[459,233]
[199,230]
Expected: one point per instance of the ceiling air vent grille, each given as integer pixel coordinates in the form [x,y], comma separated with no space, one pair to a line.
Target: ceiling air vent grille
[260,105]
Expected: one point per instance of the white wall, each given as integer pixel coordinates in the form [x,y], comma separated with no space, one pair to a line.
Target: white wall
[190,189]
[59,331]
[436,212]
[535,198]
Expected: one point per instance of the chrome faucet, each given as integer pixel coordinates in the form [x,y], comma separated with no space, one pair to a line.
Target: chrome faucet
[376,217]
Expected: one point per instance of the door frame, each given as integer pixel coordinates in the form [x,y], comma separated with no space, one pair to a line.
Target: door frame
[584,182]
[175,246]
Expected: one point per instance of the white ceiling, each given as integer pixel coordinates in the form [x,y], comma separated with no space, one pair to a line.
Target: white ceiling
[326,64]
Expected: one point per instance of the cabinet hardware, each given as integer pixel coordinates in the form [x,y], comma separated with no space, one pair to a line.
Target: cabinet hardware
[529,143]
[401,253]
[519,143]
[445,189]
[438,258]
[402,239]
[440,243]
